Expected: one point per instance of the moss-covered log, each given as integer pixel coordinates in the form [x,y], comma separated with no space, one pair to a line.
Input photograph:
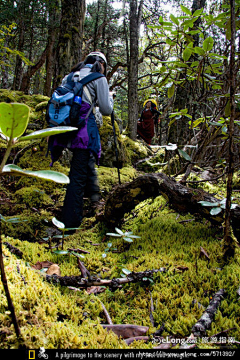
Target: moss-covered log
[183,199]
[78,281]
[204,323]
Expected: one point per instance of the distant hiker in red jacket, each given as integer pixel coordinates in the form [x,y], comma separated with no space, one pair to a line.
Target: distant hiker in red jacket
[145,125]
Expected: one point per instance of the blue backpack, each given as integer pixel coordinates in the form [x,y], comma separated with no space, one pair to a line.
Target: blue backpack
[64,107]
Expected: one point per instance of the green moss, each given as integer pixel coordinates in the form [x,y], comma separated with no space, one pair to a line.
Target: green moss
[52,316]
[41,106]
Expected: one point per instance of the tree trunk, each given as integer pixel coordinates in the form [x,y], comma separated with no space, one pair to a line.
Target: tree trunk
[26,79]
[95,36]
[54,19]
[229,243]
[135,22]
[21,39]
[182,199]
[71,33]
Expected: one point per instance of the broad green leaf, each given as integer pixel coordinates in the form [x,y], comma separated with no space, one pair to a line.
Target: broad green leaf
[198,12]
[41,174]
[170,42]
[134,236]
[58,223]
[47,132]
[186,10]
[119,231]
[215,123]
[184,155]
[188,23]
[126,271]
[127,239]
[174,19]
[109,244]
[16,220]
[208,44]
[77,255]
[2,218]
[61,252]
[45,239]
[163,69]
[186,54]
[193,32]
[114,234]
[170,146]
[208,203]
[171,91]
[13,119]
[197,122]
[199,51]
[215,210]
[227,110]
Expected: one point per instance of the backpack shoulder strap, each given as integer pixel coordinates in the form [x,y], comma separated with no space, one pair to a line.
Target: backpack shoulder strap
[90,77]
[69,79]
[85,80]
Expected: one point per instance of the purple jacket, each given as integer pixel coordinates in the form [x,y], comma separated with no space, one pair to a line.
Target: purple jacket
[85,138]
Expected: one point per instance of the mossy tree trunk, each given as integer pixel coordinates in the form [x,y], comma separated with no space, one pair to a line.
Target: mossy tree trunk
[54,20]
[135,22]
[229,243]
[70,38]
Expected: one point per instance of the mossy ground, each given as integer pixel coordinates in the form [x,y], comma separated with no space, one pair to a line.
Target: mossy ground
[52,316]
[56,317]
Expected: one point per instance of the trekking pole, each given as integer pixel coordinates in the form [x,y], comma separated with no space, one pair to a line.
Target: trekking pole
[115,144]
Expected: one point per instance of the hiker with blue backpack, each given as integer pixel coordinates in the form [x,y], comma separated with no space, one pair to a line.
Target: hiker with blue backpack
[89,86]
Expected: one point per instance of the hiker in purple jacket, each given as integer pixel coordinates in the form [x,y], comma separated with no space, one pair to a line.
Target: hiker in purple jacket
[85,145]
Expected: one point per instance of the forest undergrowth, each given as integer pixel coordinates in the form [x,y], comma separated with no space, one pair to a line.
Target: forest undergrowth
[188,250]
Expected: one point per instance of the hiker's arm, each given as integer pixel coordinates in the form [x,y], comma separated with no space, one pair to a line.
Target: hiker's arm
[104,99]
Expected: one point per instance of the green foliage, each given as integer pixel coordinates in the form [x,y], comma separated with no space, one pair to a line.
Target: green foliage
[14,119]
[7,55]
[126,236]
[217,207]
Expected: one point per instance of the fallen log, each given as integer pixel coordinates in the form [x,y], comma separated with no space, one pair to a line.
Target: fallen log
[204,323]
[13,250]
[126,331]
[79,281]
[181,198]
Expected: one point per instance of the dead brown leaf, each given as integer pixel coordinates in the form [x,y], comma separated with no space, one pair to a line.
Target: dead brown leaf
[42,264]
[54,269]
[204,253]
[182,268]
[95,290]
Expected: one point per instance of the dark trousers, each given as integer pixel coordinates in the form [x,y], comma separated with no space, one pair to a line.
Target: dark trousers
[82,177]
